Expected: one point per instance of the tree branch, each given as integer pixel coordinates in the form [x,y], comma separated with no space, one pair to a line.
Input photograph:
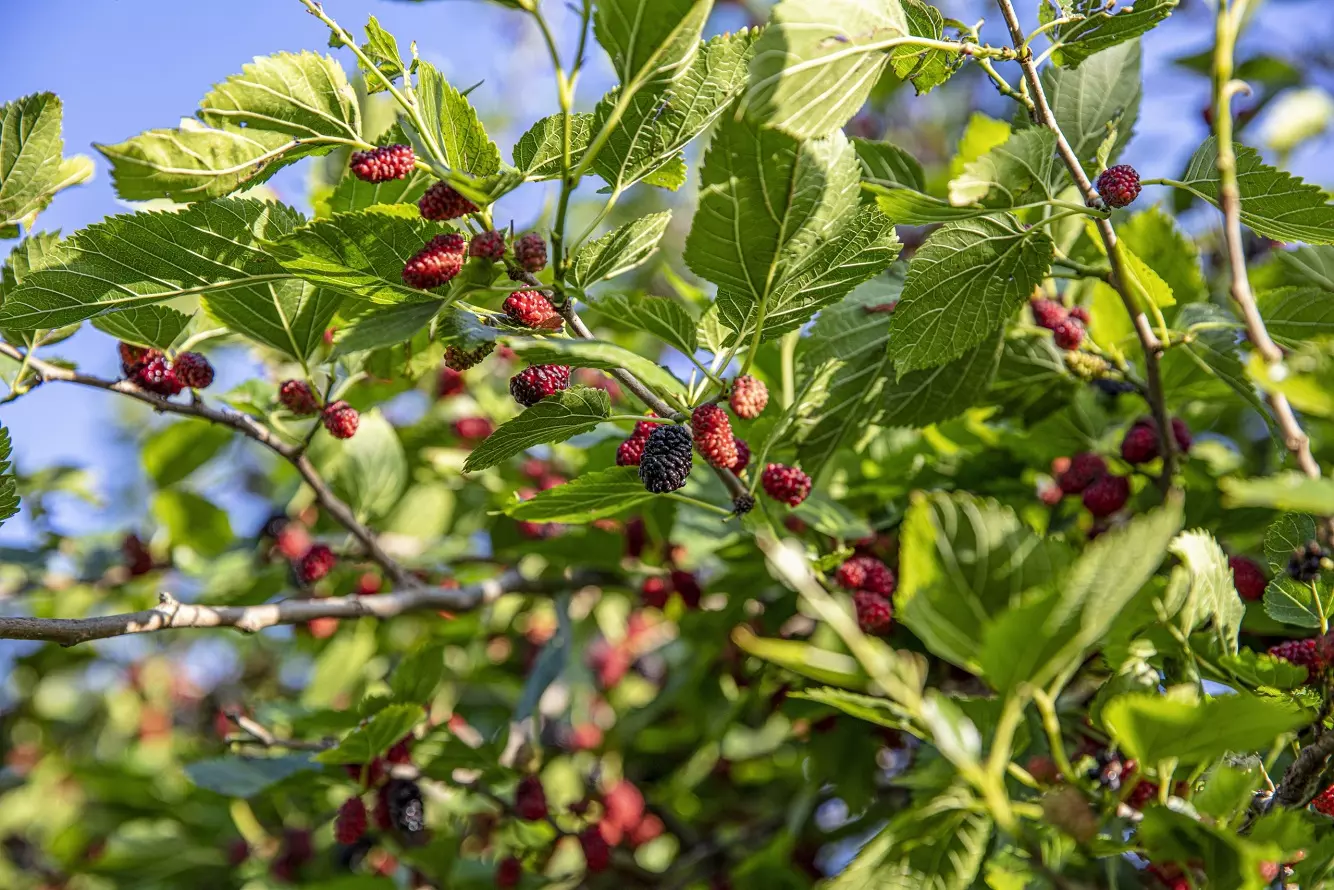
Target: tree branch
[169,614]
[1229,201]
[1118,279]
[248,427]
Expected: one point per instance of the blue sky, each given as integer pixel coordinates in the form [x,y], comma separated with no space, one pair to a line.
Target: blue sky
[123,66]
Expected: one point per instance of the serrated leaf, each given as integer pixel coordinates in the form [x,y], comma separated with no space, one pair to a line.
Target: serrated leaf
[9,492]
[912,208]
[137,259]
[289,315]
[829,517]
[32,169]
[931,395]
[585,498]
[879,711]
[1287,599]
[540,151]
[1180,725]
[1259,669]
[384,326]
[925,68]
[649,41]
[1308,265]
[1102,28]
[1211,354]
[452,125]
[886,165]
[1032,377]
[171,454]
[1104,89]
[816,62]
[662,317]
[1212,598]
[244,777]
[155,326]
[485,190]
[618,251]
[1296,314]
[595,354]
[376,736]
[196,163]
[360,254]
[1274,204]
[940,845]
[1153,236]
[381,48]
[964,283]
[353,193]
[578,409]
[417,676]
[1289,490]
[660,121]
[463,329]
[369,470]
[1022,170]
[671,175]
[305,95]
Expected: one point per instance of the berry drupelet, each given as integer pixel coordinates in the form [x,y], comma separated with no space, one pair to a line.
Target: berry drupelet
[157,376]
[535,383]
[443,202]
[383,164]
[666,459]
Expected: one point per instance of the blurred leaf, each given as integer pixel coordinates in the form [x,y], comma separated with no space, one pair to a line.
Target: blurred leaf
[370,469]
[829,517]
[1289,490]
[550,663]
[378,735]
[173,453]
[192,521]
[9,495]
[879,711]
[419,673]
[246,776]
[889,166]
[801,658]
[1260,669]
[384,326]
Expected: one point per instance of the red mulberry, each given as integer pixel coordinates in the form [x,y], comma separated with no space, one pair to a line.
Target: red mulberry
[749,396]
[487,246]
[530,309]
[1084,470]
[535,383]
[1118,186]
[449,383]
[1312,654]
[1047,313]
[509,872]
[1248,578]
[875,614]
[341,420]
[461,359]
[193,370]
[1140,444]
[530,799]
[437,263]
[350,824]
[1068,334]
[318,562]
[786,484]
[597,853]
[713,435]
[1107,495]
[742,455]
[442,202]
[297,397]
[383,164]
[866,573]
[132,357]
[530,252]
[630,451]
[157,376]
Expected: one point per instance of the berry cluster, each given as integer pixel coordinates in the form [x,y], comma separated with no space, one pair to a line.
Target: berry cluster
[658,589]
[340,419]
[1086,475]
[872,584]
[1067,326]
[487,246]
[1140,444]
[749,396]
[459,359]
[151,370]
[297,396]
[1316,654]
[530,252]
[383,164]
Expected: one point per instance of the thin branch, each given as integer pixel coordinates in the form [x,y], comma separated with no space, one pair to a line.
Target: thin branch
[1119,279]
[170,614]
[248,427]
[258,733]
[1229,201]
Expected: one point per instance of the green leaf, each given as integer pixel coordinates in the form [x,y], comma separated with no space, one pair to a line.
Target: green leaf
[578,409]
[1180,725]
[452,125]
[829,517]
[136,259]
[1274,204]
[939,845]
[879,711]
[155,326]
[1022,170]
[418,675]
[9,490]
[659,122]
[980,135]
[961,560]
[369,470]
[1103,90]
[1153,236]
[549,664]
[587,497]
[289,315]
[305,95]
[925,68]
[1212,598]
[384,326]
[767,201]
[595,354]
[1211,354]
[966,281]
[816,62]
[244,777]
[1102,28]
[619,251]
[649,41]
[1258,669]
[32,169]
[886,165]
[353,193]
[804,659]
[378,735]
[195,163]
[381,48]
[930,395]
[1308,265]
[539,152]
[1289,490]
[1286,599]
[191,521]
[912,208]
[173,453]
[360,254]
[1296,314]
[1228,789]
[662,317]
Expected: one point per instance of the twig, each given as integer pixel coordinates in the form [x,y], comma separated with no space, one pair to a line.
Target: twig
[250,428]
[1118,279]
[170,614]
[260,734]
[1229,201]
